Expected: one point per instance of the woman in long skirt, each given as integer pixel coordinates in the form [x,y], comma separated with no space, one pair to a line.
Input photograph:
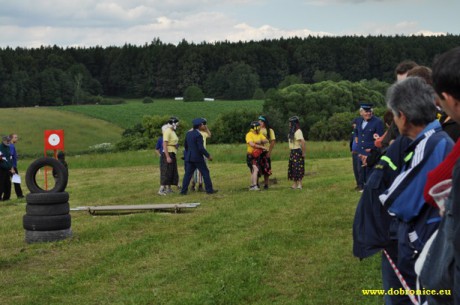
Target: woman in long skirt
[169,172]
[296,169]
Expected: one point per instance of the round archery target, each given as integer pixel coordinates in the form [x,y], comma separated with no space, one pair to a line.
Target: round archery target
[54,139]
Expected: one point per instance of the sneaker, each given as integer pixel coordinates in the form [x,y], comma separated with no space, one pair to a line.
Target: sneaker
[162,193]
[169,191]
[212,192]
[265,187]
[254,188]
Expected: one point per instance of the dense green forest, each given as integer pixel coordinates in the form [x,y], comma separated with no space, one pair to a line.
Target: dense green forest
[52,75]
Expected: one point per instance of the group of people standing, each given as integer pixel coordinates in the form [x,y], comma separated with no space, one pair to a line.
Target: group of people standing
[396,214]
[260,140]
[195,156]
[9,167]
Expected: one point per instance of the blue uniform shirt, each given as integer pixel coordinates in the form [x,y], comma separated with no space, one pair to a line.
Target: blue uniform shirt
[366,135]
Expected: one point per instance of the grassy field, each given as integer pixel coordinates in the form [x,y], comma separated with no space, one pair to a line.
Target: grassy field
[131,113]
[80,131]
[85,126]
[272,247]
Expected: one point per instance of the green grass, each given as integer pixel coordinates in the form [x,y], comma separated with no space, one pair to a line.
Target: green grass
[272,247]
[131,113]
[80,131]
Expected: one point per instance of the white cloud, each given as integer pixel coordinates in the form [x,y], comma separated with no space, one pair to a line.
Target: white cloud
[34,23]
[430,33]
[330,2]
[400,28]
[245,32]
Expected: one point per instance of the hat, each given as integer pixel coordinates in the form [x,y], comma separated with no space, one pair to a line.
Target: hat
[198,121]
[262,118]
[366,107]
[6,138]
[294,119]
[255,124]
[173,119]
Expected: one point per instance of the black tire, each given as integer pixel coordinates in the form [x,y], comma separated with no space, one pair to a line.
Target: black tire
[47,209]
[46,236]
[46,223]
[47,198]
[60,181]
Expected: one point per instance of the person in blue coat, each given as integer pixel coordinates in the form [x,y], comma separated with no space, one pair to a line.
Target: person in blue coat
[413,104]
[368,128]
[194,157]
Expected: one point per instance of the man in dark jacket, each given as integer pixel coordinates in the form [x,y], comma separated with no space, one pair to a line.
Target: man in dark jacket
[194,157]
[6,169]
[446,81]
[367,129]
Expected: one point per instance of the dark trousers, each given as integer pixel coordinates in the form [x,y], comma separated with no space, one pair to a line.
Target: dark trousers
[363,173]
[456,291]
[389,278]
[190,168]
[5,184]
[355,159]
[17,186]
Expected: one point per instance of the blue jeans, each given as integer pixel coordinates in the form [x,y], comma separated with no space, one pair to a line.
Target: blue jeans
[389,278]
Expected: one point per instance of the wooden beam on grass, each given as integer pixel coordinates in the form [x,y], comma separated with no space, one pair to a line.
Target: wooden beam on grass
[176,207]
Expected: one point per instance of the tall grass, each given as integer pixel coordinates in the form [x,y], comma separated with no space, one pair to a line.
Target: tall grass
[129,114]
[238,247]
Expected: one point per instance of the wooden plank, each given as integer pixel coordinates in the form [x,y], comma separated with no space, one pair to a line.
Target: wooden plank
[163,206]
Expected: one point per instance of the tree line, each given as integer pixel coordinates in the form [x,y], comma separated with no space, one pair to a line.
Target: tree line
[52,75]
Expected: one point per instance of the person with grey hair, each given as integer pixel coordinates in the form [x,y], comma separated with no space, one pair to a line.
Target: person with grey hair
[413,104]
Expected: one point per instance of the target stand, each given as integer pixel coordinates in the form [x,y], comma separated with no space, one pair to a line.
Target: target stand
[53,140]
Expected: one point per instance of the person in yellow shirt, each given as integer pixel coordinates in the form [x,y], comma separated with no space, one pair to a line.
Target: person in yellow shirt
[168,168]
[255,148]
[296,169]
[270,135]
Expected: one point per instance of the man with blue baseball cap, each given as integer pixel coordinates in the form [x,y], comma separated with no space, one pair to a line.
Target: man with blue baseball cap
[194,157]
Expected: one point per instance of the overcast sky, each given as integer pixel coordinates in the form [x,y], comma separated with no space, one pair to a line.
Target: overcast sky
[33,23]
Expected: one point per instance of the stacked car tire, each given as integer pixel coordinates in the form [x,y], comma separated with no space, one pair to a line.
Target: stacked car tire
[47,215]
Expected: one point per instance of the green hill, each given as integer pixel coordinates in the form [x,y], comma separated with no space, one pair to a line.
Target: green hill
[80,131]
[127,115]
